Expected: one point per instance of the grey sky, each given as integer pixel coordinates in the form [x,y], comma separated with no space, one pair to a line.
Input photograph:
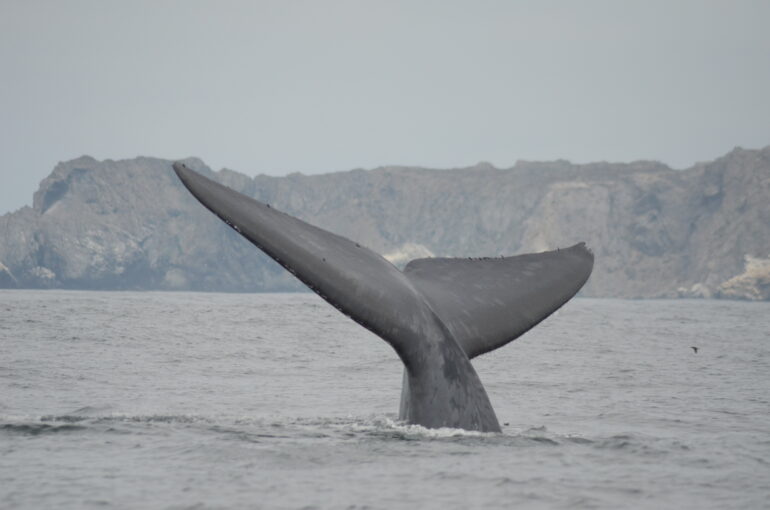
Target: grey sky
[279,87]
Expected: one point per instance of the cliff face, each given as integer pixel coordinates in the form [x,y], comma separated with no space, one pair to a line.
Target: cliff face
[656,232]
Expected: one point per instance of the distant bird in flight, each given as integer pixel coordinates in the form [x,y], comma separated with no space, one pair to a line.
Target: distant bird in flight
[694,349]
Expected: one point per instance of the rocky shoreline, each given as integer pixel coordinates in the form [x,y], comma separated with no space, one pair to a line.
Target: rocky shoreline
[656,232]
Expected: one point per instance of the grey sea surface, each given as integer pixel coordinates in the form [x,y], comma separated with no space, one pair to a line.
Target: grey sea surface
[196,400]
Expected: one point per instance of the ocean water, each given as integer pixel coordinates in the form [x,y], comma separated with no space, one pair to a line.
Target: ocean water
[192,400]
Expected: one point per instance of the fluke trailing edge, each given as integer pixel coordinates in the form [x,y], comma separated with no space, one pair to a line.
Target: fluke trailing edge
[437,314]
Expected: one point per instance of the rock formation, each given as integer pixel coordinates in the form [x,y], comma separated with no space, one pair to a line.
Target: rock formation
[655,231]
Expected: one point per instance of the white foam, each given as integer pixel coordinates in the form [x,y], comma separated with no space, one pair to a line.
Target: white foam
[418,430]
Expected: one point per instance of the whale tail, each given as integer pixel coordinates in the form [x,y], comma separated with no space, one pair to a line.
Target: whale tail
[487,302]
[437,314]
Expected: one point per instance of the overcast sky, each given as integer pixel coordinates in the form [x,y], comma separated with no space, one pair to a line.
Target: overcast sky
[281,87]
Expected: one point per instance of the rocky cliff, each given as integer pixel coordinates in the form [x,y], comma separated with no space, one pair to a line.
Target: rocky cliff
[656,232]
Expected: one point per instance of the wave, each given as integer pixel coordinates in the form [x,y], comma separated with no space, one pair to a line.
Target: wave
[367,428]
[37,429]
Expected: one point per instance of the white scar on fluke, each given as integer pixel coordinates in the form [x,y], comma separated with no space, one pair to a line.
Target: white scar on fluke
[437,314]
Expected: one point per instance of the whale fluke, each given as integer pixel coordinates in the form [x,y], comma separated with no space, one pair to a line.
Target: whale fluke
[437,314]
[488,302]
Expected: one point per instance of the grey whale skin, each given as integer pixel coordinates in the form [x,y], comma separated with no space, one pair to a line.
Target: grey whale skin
[437,314]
